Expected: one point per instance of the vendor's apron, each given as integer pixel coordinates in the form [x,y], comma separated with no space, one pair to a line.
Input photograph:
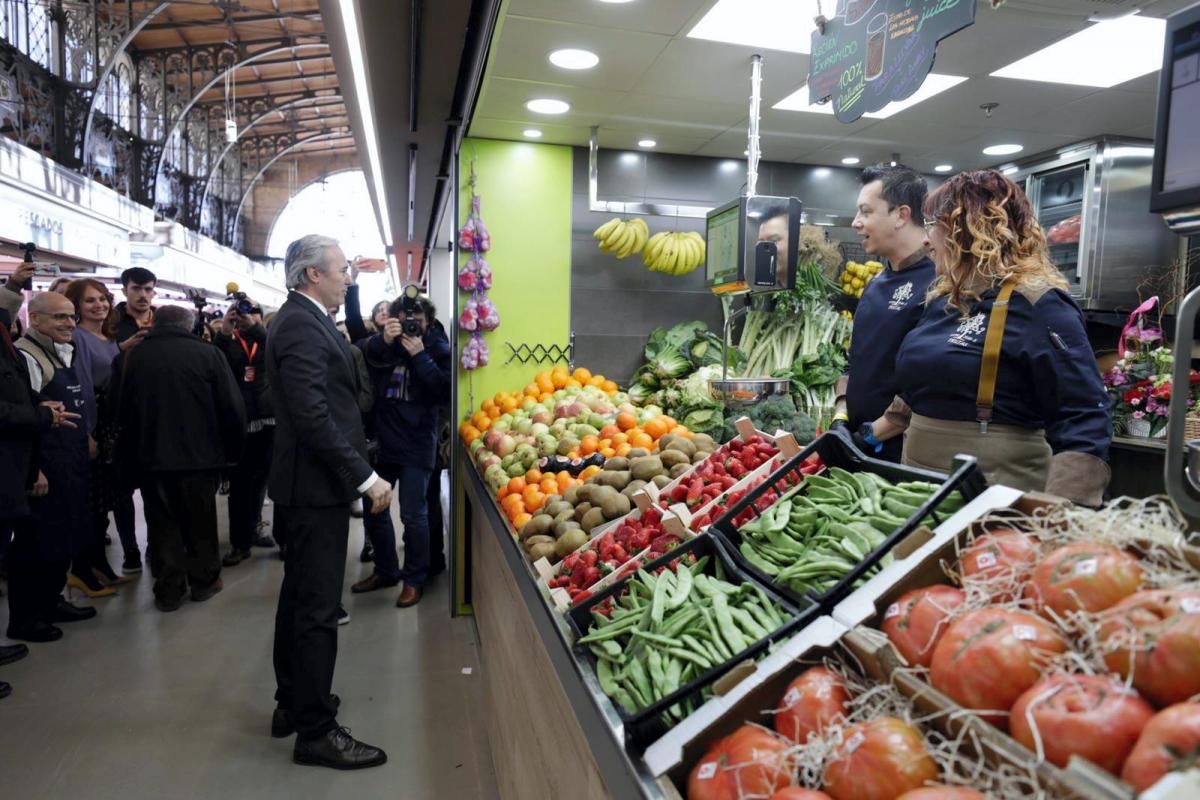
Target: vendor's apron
[1009,455]
[61,516]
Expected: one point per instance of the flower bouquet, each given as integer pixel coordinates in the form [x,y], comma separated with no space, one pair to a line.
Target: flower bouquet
[1140,388]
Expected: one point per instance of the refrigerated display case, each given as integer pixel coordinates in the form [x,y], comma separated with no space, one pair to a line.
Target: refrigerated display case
[1093,200]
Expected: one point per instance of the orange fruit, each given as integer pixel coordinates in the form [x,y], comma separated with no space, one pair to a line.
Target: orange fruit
[470,433]
[495,412]
[610,387]
[608,452]
[619,439]
[563,479]
[509,404]
[516,485]
[582,374]
[487,405]
[479,417]
[484,424]
[533,476]
[626,420]
[681,430]
[545,383]
[572,384]
[544,396]
[549,485]
[589,472]
[642,439]
[656,428]
[589,444]
[502,493]
[532,390]
[669,421]
[560,380]
[609,431]
[623,449]
[574,454]
[521,520]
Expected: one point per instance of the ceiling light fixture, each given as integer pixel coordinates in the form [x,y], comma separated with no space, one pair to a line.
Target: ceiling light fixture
[1102,55]
[532,133]
[358,69]
[742,22]
[616,2]
[944,168]
[571,58]
[850,161]
[729,166]
[935,84]
[1009,171]
[647,143]
[1003,149]
[544,105]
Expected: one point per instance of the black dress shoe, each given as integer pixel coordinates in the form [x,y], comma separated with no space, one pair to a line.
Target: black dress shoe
[5,690]
[37,632]
[281,719]
[12,652]
[337,750]
[69,612]
[234,557]
[264,540]
[206,592]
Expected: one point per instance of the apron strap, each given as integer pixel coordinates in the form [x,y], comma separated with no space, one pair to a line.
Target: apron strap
[986,395]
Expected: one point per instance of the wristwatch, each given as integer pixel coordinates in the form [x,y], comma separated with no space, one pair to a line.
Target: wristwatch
[865,439]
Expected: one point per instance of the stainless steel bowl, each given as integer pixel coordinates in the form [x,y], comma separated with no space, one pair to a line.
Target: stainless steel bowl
[746,392]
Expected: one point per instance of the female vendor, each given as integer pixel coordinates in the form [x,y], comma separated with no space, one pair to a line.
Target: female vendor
[999,366]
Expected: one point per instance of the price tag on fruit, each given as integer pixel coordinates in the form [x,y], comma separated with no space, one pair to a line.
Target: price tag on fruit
[1024,633]
[707,771]
[985,560]
[1087,567]
[892,611]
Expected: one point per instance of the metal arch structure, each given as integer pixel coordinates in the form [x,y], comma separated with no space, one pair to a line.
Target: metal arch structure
[300,190]
[336,133]
[299,102]
[217,78]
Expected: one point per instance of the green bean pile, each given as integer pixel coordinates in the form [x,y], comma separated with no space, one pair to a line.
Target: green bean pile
[668,629]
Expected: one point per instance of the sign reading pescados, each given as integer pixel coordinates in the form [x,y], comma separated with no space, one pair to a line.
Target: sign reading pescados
[874,52]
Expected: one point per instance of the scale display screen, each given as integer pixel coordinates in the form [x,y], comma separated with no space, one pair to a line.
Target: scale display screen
[722,235]
[1181,169]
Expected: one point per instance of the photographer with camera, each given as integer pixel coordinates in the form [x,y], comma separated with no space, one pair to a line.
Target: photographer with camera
[410,368]
[246,351]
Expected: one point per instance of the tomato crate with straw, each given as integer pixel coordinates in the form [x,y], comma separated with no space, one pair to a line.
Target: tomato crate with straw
[830,532]
[660,640]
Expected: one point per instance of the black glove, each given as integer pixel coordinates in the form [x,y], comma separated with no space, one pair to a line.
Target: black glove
[865,441]
[839,425]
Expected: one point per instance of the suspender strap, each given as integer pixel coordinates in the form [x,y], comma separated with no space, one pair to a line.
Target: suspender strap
[986,395]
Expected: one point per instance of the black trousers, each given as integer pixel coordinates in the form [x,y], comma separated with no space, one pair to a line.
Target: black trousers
[306,621]
[35,582]
[247,484]
[181,526]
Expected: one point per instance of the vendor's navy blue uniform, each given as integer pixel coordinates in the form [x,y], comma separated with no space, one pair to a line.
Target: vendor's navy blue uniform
[408,393]
[1047,377]
[60,524]
[890,307]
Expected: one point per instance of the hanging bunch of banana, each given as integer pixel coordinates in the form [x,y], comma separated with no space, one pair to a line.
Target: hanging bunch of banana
[674,253]
[622,238]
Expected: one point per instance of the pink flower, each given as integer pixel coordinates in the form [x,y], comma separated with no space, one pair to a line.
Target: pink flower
[1139,414]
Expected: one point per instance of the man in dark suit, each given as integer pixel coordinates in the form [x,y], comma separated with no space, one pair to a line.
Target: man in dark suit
[319,467]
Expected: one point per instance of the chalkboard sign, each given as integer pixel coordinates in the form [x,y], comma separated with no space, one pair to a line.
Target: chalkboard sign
[874,52]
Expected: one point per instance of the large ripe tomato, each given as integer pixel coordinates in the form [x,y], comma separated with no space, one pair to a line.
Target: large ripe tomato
[799,793]
[1155,635]
[943,793]
[916,621]
[810,703]
[879,760]
[1170,741]
[1000,560]
[1092,716]
[990,657]
[1084,577]
[749,761]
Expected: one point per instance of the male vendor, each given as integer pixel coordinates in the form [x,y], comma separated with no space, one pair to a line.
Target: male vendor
[892,227]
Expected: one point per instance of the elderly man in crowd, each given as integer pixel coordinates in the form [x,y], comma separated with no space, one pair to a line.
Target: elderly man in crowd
[182,422]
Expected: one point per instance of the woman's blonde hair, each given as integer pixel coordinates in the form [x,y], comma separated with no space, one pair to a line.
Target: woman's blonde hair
[992,234]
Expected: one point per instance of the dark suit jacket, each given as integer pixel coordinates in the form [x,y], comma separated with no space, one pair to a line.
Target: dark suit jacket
[320,456]
[21,421]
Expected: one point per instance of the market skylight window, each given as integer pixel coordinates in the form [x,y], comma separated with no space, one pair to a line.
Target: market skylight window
[934,85]
[1102,55]
[772,24]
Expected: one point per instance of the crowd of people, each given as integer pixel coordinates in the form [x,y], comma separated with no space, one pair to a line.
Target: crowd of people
[99,400]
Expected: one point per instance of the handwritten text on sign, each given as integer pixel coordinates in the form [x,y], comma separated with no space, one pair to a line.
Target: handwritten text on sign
[874,52]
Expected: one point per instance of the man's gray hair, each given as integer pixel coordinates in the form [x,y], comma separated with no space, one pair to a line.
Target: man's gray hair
[174,317]
[307,251]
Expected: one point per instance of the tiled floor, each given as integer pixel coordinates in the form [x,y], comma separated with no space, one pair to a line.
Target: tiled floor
[139,704]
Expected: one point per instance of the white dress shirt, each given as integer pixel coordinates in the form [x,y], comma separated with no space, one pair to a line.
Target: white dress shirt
[65,353]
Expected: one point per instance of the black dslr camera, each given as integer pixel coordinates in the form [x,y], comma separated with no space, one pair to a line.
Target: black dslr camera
[243,304]
[410,304]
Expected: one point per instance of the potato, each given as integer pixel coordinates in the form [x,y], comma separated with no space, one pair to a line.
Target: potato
[616,464]
[556,507]
[646,467]
[562,527]
[679,469]
[670,458]
[615,506]
[661,481]
[636,452]
[683,446]
[569,542]
[571,496]
[534,540]
[591,519]
[544,550]
[633,488]
[538,526]
[704,442]
[580,510]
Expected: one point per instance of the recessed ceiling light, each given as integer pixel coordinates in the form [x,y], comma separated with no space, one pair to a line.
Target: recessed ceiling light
[822,172]
[544,105]
[630,158]
[614,2]
[532,133]
[1003,149]
[771,24]
[850,161]
[1101,55]
[944,168]
[729,166]
[571,58]
[935,84]
[1009,171]
[647,143]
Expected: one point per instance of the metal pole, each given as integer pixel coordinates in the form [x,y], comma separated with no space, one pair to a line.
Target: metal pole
[755,107]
